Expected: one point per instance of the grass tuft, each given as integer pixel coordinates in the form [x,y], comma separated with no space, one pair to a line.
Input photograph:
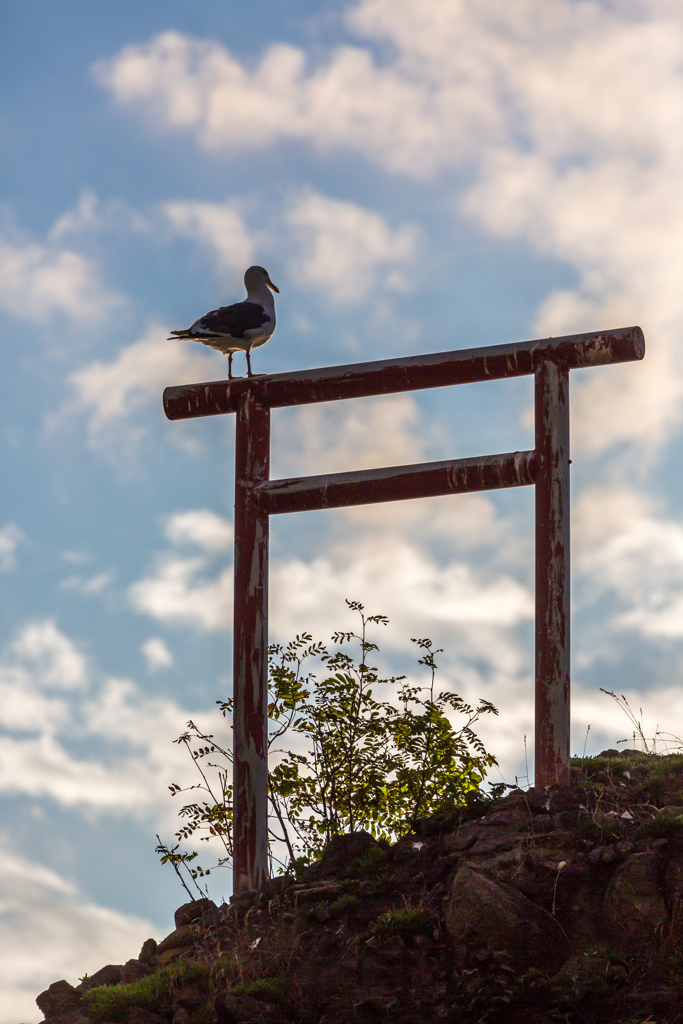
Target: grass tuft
[109,1004]
[404,921]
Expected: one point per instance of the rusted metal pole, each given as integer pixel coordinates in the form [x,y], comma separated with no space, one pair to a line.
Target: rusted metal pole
[250,649]
[409,373]
[396,483]
[552,575]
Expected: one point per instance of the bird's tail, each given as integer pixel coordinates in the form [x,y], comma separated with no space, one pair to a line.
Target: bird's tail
[179,334]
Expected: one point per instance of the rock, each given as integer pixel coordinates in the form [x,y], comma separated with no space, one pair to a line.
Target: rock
[149,949]
[461,839]
[541,823]
[602,856]
[315,893]
[483,916]
[634,904]
[139,1015]
[562,800]
[196,909]
[409,849]
[585,974]
[511,819]
[60,996]
[673,882]
[183,936]
[112,974]
[133,969]
[537,800]
[494,840]
[341,852]
[223,1013]
[62,1004]
[190,997]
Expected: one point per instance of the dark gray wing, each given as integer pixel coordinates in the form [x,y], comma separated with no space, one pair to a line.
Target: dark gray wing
[232,320]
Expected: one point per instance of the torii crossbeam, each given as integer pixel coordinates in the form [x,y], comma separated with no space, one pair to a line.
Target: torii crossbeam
[257,497]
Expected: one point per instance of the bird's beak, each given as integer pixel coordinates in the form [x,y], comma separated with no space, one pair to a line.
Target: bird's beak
[273,286]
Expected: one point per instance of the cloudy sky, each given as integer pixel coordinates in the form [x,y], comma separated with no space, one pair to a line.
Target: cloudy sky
[416,175]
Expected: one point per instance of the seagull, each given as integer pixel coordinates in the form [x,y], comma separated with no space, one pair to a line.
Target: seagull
[242,326]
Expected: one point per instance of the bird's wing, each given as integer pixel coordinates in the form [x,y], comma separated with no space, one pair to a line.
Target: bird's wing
[233,320]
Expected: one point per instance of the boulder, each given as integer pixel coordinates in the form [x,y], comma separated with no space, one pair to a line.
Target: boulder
[341,852]
[149,949]
[634,904]
[483,916]
[112,974]
[190,912]
[585,974]
[62,1004]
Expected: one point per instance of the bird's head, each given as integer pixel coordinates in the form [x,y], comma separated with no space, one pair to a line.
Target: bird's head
[257,275]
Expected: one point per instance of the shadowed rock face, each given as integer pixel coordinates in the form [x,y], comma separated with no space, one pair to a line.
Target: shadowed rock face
[634,903]
[545,903]
[484,916]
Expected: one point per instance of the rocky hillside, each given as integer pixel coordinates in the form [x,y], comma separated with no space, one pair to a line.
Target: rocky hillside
[546,905]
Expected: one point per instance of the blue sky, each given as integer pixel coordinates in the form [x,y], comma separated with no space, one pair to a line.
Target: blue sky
[416,176]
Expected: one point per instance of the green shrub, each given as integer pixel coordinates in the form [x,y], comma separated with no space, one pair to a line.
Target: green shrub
[368,764]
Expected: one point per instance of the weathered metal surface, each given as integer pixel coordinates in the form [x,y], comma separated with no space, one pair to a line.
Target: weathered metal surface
[395,483]
[413,373]
[552,575]
[250,649]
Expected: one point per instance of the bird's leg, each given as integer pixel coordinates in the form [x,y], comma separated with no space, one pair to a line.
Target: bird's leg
[229,365]
[249,373]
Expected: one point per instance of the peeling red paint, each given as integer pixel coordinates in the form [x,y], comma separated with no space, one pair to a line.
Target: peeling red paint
[552,719]
[250,648]
[257,497]
[411,373]
[303,494]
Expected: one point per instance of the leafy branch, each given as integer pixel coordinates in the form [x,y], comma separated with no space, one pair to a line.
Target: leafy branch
[341,758]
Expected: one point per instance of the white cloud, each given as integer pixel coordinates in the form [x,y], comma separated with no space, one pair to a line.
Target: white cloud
[180,592]
[346,250]
[10,539]
[24,707]
[186,590]
[94,585]
[135,757]
[396,577]
[636,555]
[201,527]
[113,395]
[567,119]
[83,217]
[48,930]
[198,86]
[373,432]
[361,433]
[156,654]
[220,226]
[39,281]
[52,657]
[662,708]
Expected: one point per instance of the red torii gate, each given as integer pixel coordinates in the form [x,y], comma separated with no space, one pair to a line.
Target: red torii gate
[257,497]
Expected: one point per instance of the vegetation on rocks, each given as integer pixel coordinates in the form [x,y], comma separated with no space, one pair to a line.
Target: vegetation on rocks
[341,759]
[405,893]
[546,905]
